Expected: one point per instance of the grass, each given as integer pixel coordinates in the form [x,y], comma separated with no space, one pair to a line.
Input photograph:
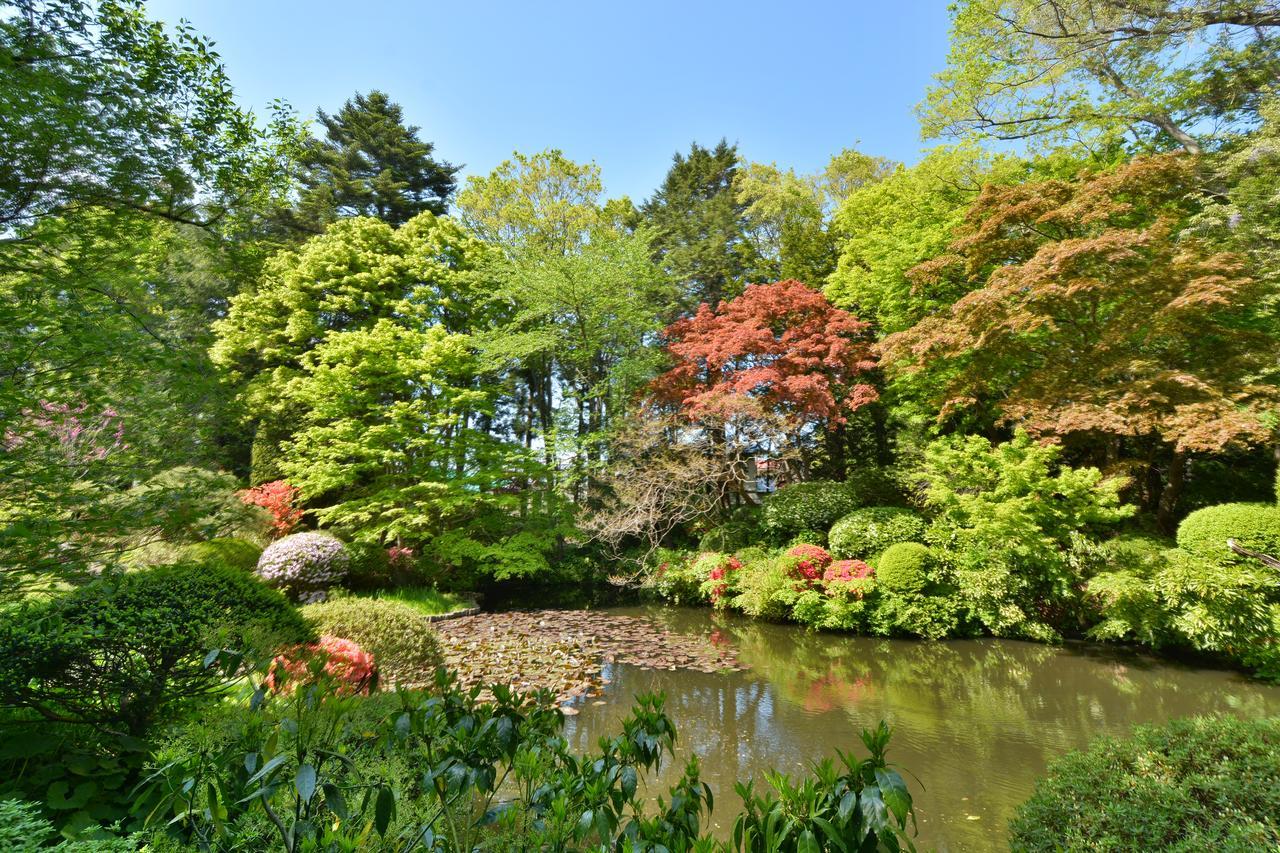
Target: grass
[427,600]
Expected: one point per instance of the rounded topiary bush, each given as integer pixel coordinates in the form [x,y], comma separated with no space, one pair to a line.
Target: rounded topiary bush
[401,640]
[814,505]
[1254,526]
[1191,785]
[866,532]
[305,565]
[903,568]
[237,553]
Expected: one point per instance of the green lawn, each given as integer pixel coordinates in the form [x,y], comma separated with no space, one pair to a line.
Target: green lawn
[428,600]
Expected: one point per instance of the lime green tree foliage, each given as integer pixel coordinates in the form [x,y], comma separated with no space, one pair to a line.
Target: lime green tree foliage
[427,272]
[1091,318]
[886,227]
[370,163]
[1005,516]
[701,228]
[1181,73]
[789,215]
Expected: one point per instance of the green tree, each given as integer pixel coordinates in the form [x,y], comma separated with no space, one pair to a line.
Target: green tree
[361,270]
[370,163]
[1175,73]
[700,227]
[789,215]
[886,227]
[101,106]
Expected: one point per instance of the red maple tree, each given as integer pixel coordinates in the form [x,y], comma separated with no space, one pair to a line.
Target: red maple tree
[278,498]
[781,348]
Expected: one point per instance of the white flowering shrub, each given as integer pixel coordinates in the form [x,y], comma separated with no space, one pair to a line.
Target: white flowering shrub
[305,565]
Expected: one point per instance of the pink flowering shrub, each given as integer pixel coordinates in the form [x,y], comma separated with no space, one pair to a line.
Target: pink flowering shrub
[400,557]
[847,577]
[79,437]
[335,658]
[305,565]
[805,573]
[811,553]
[280,499]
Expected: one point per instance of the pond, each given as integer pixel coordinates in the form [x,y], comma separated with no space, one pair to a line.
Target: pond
[976,721]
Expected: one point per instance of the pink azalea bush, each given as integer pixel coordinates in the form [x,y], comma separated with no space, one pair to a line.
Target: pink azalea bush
[305,565]
[333,657]
[720,578]
[814,554]
[846,577]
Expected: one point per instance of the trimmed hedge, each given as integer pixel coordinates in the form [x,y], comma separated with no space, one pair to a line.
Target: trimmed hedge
[903,568]
[866,532]
[1254,526]
[401,640]
[1190,785]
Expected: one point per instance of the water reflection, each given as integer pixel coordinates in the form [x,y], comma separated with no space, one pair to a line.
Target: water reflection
[976,721]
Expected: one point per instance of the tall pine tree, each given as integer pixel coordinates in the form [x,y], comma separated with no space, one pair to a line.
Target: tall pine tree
[700,227]
[371,163]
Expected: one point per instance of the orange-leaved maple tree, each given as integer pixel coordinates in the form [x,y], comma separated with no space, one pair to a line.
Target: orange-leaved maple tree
[1093,317]
[781,349]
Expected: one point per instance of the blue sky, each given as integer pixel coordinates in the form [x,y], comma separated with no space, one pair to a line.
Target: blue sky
[624,84]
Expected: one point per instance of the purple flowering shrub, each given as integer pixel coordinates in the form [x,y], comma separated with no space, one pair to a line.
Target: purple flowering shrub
[305,565]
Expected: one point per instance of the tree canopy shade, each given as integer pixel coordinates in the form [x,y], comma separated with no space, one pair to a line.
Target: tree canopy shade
[100,106]
[370,163]
[1089,320]
[700,227]
[1162,72]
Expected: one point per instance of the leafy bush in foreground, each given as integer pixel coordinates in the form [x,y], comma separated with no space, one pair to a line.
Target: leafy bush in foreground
[305,565]
[316,769]
[402,642]
[128,651]
[1191,785]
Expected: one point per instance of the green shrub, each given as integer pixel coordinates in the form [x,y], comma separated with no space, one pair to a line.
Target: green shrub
[370,567]
[768,588]
[23,830]
[903,568]
[237,553]
[866,532]
[729,536]
[674,579]
[1254,526]
[874,487]
[814,505]
[1191,785]
[128,650]
[403,644]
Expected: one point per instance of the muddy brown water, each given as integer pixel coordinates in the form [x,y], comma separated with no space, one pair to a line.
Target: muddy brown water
[976,720]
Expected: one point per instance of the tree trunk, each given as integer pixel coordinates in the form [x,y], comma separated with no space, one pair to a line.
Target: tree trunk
[1171,493]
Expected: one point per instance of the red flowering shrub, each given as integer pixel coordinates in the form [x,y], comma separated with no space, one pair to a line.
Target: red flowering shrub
[718,571]
[815,554]
[805,572]
[843,577]
[400,557]
[279,499]
[333,657]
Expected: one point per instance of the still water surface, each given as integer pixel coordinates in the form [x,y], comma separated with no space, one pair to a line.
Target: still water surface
[976,720]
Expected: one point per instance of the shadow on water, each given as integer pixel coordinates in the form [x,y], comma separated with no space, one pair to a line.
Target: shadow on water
[975,720]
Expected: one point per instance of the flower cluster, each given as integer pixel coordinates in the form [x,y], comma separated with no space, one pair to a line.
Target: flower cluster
[279,499]
[340,660]
[719,577]
[79,436]
[304,564]
[811,553]
[400,557]
[806,573]
[841,575]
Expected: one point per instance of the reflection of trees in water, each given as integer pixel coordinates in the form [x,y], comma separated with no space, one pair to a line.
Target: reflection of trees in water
[975,719]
